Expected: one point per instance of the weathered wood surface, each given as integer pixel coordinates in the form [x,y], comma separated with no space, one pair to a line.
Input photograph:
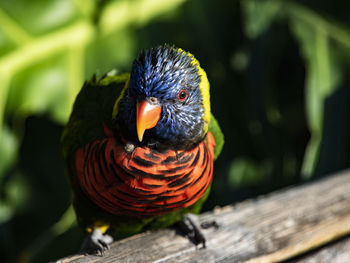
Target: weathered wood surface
[337,252]
[272,228]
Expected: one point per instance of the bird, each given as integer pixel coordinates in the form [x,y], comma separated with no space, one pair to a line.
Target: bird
[139,147]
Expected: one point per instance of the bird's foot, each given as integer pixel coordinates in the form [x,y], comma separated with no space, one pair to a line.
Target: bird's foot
[192,229]
[96,242]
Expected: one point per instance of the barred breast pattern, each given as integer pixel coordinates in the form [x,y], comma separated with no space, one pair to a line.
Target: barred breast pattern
[144,182]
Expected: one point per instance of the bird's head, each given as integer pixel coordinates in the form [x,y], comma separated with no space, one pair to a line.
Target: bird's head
[165,102]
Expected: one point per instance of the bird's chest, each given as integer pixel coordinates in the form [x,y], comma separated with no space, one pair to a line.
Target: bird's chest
[125,180]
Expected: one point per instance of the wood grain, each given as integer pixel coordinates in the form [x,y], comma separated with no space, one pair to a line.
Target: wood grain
[336,252]
[271,228]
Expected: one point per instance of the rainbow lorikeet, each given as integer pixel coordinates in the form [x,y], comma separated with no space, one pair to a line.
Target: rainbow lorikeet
[139,147]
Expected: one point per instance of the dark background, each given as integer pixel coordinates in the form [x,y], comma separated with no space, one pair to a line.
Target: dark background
[279,89]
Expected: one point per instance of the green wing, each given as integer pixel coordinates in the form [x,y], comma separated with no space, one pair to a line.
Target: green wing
[215,129]
[93,107]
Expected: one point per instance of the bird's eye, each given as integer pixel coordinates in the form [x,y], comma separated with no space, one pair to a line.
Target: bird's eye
[182,95]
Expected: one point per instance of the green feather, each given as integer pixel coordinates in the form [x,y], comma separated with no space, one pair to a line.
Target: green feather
[93,106]
[215,129]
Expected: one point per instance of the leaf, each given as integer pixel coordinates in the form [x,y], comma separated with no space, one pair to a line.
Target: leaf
[323,77]
[15,197]
[8,150]
[246,172]
[119,13]
[259,14]
[40,90]
[101,57]
[40,16]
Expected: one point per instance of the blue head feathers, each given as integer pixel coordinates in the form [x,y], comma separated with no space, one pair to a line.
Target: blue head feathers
[172,77]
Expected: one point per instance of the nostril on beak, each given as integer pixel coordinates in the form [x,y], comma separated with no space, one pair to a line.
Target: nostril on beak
[153,100]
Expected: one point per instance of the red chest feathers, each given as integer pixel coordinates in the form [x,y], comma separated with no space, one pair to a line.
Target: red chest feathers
[143,182]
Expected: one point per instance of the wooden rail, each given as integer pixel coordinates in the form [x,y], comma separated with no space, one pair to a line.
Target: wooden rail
[298,224]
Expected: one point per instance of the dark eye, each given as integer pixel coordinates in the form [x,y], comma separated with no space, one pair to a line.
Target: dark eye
[182,95]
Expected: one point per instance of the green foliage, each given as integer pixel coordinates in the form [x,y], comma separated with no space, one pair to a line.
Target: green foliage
[259,15]
[244,171]
[320,41]
[324,73]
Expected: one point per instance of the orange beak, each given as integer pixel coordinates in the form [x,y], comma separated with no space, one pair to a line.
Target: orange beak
[147,116]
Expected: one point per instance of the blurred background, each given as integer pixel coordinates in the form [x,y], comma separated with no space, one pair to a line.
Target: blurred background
[279,73]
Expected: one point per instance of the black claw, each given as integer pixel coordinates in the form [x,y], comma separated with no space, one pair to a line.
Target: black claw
[96,243]
[101,250]
[190,227]
[209,224]
[105,246]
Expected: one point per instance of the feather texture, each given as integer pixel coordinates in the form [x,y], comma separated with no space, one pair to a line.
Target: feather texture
[143,182]
[129,185]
